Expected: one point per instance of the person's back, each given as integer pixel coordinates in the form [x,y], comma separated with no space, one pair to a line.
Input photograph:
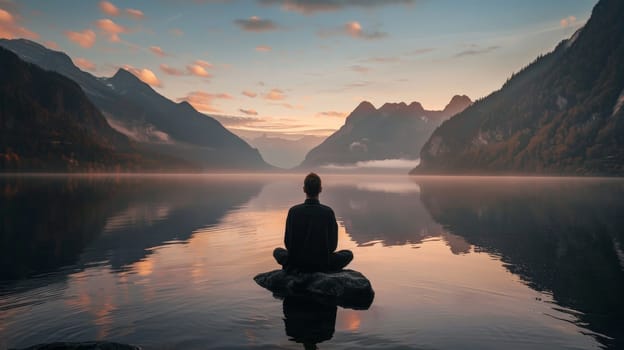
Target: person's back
[311,235]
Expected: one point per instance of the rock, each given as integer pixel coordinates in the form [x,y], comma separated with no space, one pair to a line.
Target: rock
[346,288]
[93,345]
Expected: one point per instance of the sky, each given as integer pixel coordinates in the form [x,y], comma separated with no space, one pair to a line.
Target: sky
[297,67]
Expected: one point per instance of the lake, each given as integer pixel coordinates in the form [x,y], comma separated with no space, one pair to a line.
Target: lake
[167,262]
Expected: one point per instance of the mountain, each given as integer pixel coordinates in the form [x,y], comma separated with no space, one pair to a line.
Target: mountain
[561,115]
[48,123]
[155,123]
[282,152]
[396,130]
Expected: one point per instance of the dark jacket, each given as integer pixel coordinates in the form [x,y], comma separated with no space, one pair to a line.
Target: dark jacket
[311,235]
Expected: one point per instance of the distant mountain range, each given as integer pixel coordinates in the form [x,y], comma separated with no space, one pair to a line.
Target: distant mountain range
[396,130]
[561,115]
[154,123]
[282,152]
[48,123]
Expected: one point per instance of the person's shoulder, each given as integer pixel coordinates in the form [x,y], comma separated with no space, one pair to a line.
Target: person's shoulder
[327,208]
[296,207]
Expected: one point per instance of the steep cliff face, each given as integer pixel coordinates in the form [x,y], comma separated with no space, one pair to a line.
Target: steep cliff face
[395,130]
[47,123]
[562,114]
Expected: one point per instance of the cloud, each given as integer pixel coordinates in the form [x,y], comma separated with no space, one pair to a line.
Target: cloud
[567,22]
[111,29]
[11,29]
[51,45]
[204,101]
[158,51]
[176,32]
[136,14]
[203,64]
[383,59]
[474,51]
[256,24]
[108,8]
[333,114]
[263,48]
[171,70]
[249,94]
[84,64]
[199,69]
[308,7]
[275,95]
[145,75]
[248,111]
[353,29]
[360,69]
[86,38]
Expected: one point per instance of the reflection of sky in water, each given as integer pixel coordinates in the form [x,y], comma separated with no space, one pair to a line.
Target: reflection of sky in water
[434,287]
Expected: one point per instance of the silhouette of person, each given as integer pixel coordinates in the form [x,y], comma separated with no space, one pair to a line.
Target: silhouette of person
[311,235]
[307,321]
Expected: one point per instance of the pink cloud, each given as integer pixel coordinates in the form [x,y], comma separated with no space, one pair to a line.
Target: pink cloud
[263,48]
[204,101]
[10,27]
[248,111]
[158,51]
[84,64]
[86,38]
[146,75]
[333,114]
[111,29]
[51,45]
[136,14]
[108,8]
[176,32]
[199,69]
[171,70]
[249,94]
[354,29]
[567,22]
[275,95]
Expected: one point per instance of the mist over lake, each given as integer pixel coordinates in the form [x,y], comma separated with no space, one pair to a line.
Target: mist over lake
[169,261]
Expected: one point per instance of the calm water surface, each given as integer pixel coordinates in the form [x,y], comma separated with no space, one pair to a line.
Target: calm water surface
[456,263]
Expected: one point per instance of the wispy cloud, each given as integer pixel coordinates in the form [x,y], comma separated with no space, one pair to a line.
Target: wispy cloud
[136,14]
[353,29]
[11,28]
[250,94]
[109,8]
[198,68]
[308,7]
[256,24]
[333,114]
[85,38]
[176,32]
[146,75]
[204,101]
[171,70]
[360,69]
[111,29]
[567,22]
[263,48]
[84,64]
[475,50]
[275,95]
[248,111]
[157,50]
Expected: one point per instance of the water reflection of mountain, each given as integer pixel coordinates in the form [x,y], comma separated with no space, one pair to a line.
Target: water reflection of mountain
[561,236]
[372,214]
[54,222]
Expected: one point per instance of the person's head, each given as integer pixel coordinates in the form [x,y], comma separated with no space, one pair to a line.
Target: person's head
[312,185]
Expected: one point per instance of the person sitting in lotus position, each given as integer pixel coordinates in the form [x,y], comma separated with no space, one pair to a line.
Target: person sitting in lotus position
[311,235]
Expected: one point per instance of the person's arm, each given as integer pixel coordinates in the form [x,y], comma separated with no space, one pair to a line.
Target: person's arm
[333,232]
[288,232]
